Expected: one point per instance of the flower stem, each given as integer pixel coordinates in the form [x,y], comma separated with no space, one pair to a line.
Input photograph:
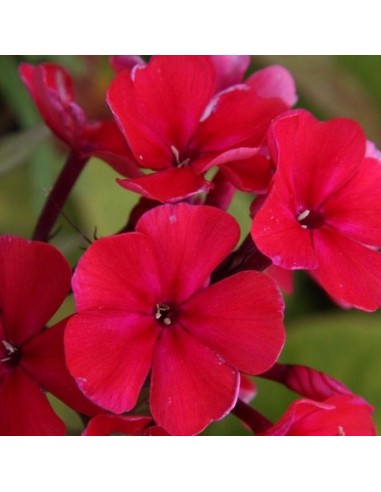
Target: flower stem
[73,167]
[252,418]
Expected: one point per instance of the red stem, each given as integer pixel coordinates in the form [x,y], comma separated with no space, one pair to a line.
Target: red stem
[256,421]
[73,167]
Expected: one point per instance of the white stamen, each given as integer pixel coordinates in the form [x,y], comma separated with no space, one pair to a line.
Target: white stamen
[184,163]
[175,152]
[11,349]
[167,321]
[303,215]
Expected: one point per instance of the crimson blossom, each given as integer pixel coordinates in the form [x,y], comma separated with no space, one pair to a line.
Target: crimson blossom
[341,415]
[323,211]
[52,91]
[179,127]
[34,280]
[145,308]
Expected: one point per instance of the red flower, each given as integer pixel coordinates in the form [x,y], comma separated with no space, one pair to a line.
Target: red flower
[328,409]
[144,304]
[52,91]
[323,212]
[341,415]
[34,280]
[178,127]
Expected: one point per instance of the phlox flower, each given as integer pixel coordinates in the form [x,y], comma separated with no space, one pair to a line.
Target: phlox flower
[323,211]
[146,313]
[34,280]
[179,123]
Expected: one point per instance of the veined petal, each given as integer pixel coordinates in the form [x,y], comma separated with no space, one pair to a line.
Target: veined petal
[43,358]
[125,62]
[34,280]
[25,410]
[252,174]
[52,91]
[170,185]
[274,81]
[229,69]
[118,272]
[160,104]
[355,210]
[236,117]
[106,424]
[279,235]
[104,140]
[315,159]
[348,271]
[190,241]
[109,354]
[190,384]
[241,318]
[343,415]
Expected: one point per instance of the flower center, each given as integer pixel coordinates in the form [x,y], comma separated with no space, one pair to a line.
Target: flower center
[178,161]
[164,313]
[10,355]
[310,219]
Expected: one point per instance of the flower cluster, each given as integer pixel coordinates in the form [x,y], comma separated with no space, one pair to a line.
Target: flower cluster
[173,315]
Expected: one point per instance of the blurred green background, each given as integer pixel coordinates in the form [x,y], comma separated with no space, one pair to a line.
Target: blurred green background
[344,344]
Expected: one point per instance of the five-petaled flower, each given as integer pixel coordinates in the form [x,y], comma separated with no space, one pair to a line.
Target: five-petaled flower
[145,306]
[179,127]
[323,212]
[34,280]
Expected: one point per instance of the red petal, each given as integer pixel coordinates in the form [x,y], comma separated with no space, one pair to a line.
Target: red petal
[43,358]
[118,272]
[315,159]
[230,69]
[190,242]
[25,410]
[278,234]
[34,280]
[125,62]
[274,81]
[106,424]
[346,415]
[155,430]
[283,278]
[355,209]
[52,91]
[241,318]
[103,139]
[159,107]
[236,117]
[190,385]
[109,353]
[171,185]
[348,271]
[253,174]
